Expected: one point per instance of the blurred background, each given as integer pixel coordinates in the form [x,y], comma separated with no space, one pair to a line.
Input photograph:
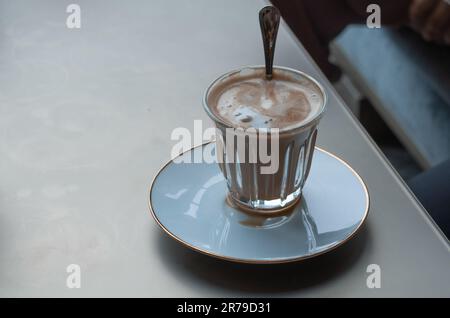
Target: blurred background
[395,78]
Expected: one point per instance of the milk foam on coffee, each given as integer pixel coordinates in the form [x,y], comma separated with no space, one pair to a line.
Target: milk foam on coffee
[248,99]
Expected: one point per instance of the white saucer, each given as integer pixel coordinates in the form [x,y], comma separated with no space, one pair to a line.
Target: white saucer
[188,201]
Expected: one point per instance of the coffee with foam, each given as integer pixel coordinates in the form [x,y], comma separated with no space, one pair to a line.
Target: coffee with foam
[293,102]
[247,99]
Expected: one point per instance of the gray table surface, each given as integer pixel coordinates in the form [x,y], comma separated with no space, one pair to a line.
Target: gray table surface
[85,120]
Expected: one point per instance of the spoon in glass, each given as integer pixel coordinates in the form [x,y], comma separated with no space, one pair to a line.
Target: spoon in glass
[269,21]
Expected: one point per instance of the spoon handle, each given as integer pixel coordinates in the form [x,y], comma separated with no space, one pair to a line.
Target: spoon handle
[269,21]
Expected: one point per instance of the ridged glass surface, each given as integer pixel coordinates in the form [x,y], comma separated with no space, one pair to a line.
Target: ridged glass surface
[247,184]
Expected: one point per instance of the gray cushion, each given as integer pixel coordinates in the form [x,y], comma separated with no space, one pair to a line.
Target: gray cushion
[407,80]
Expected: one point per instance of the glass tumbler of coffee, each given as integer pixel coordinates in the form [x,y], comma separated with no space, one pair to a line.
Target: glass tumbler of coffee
[266,133]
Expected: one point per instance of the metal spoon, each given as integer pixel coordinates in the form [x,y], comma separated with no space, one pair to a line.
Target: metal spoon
[269,20]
